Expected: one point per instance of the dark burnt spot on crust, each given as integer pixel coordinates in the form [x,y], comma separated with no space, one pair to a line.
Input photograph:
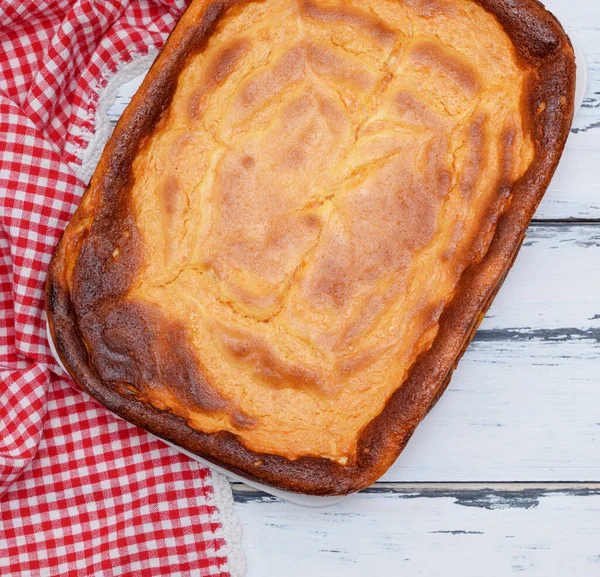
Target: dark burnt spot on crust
[134,344]
[432,55]
[535,33]
[376,27]
[97,276]
[216,72]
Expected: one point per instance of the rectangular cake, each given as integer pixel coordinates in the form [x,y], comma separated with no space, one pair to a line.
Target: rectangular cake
[301,219]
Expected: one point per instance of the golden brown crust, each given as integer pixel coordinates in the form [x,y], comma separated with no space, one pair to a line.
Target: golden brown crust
[86,278]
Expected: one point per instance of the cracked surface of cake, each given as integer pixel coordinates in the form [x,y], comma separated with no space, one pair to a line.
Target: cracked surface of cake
[280,249]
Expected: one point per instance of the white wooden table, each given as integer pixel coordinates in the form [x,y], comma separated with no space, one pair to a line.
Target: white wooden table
[503,476]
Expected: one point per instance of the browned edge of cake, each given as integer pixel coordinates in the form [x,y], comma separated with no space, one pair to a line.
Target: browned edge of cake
[540,43]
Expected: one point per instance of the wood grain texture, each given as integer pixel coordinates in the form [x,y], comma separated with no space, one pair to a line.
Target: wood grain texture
[524,405]
[462,531]
[573,193]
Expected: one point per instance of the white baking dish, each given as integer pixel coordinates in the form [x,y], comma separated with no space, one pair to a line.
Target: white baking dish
[309,500]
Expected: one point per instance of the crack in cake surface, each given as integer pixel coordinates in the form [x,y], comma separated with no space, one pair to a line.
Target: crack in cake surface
[407,145]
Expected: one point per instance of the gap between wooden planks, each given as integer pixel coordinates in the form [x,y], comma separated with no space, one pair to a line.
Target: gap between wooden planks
[510,494]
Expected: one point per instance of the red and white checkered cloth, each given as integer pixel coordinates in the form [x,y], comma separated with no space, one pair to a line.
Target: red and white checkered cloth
[81,492]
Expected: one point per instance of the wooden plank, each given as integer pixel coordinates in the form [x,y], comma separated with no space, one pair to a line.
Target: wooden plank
[467,531]
[515,410]
[572,193]
[574,190]
[523,403]
[554,283]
